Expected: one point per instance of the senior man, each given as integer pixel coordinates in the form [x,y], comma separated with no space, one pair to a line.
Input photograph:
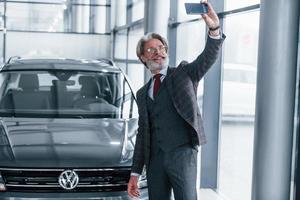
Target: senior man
[170,125]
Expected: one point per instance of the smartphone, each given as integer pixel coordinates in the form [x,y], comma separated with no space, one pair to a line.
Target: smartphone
[195,8]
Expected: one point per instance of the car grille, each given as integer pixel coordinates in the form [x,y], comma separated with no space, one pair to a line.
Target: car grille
[46,180]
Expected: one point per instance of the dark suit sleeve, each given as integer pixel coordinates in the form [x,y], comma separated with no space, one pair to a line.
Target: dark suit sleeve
[205,60]
[139,156]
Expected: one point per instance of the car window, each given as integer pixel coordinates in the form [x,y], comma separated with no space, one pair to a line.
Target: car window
[63,93]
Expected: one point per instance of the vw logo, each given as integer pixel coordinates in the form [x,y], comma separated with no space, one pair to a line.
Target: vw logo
[68,179]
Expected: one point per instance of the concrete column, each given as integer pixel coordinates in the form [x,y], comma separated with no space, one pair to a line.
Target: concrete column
[76,18]
[275,99]
[80,17]
[99,19]
[156,16]
[85,16]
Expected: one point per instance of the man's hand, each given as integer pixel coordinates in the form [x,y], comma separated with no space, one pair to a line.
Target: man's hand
[132,187]
[211,18]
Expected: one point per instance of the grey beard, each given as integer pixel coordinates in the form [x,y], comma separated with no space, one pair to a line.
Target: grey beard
[153,66]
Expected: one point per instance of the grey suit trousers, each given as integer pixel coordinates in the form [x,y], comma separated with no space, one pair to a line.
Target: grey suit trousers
[177,170]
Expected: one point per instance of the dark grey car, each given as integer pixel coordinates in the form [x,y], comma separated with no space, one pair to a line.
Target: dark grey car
[68,130]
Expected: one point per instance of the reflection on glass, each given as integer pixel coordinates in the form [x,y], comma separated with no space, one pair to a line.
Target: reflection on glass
[238,106]
[120,44]
[60,16]
[41,17]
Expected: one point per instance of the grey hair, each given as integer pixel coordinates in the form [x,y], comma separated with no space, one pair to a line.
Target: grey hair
[141,43]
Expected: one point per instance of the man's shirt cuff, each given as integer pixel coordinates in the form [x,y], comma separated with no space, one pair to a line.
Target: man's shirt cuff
[134,174]
[215,37]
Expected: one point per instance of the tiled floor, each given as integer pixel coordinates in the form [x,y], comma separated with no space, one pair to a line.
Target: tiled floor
[208,194]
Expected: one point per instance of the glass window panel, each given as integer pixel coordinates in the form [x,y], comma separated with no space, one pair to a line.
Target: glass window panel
[121,12]
[135,35]
[1,13]
[136,75]
[188,48]
[235,4]
[34,17]
[120,44]
[138,10]
[64,17]
[238,105]
[98,19]
[30,44]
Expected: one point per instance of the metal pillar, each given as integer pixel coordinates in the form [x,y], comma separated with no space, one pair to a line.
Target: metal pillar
[211,117]
[275,99]
[172,32]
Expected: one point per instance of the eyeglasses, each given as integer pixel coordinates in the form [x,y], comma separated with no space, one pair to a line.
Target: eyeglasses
[160,48]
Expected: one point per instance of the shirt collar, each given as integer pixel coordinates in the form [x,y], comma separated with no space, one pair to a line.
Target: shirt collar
[163,72]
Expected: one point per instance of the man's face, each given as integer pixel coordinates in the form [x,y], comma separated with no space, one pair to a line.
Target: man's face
[155,55]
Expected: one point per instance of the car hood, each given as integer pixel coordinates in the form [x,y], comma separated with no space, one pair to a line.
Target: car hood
[65,143]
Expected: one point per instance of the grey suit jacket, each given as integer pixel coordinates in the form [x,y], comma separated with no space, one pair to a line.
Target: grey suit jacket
[182,85]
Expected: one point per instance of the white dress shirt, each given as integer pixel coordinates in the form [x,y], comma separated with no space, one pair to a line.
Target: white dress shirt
[163,73]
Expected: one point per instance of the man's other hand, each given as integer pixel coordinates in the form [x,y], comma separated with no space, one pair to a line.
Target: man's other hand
[132,187]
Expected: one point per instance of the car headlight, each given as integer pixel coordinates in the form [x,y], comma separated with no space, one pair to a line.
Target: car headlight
[143,180]
[2,184]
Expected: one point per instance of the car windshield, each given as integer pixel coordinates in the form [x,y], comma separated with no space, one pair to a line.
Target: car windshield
[65,94]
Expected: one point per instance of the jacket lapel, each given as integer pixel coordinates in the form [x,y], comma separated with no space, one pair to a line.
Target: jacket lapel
[169,83]
[144,92]
[143,102]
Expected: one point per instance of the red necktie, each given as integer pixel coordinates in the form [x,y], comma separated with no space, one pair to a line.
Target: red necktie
[157,84]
